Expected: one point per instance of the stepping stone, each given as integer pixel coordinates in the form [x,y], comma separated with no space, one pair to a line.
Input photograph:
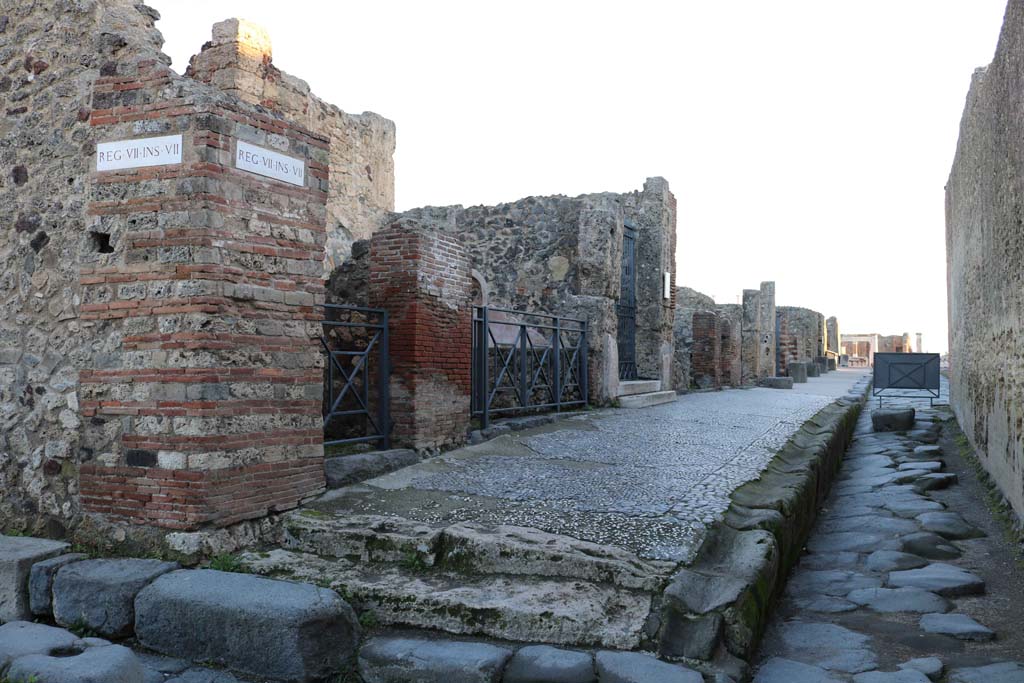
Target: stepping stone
[957,625]
[928,450]
[929,666]
[899,600]
[20,638]
[829,582]
[948,525]
[913,507]
[854,541]
[944,579]
[893,560]
[929,465]
[829,646]
[927,544]
[892,420]
[934,481]
[1003,672]
[17,555]
[415,659]
[779,670]
[826,604]
[546,664]
[903,676]
[40,582]
[100,594]
[110,664]
[633,667]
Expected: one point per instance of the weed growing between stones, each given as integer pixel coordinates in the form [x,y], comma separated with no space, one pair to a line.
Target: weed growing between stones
[369,620]
[414,562]
[82,629]
[228,563]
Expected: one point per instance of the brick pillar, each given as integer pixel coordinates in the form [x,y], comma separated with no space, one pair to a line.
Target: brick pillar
[423,280]
[707,350]
[203,405]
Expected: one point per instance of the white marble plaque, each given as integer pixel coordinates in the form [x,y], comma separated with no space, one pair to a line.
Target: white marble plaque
[137,153]
[269,163]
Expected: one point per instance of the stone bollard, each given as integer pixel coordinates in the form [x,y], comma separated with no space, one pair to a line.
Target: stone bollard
[798,371]
[776,382]
[813,370]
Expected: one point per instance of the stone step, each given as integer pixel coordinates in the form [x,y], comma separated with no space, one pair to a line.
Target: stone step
[638,386]
[469,549]
[524,609]
[646,400]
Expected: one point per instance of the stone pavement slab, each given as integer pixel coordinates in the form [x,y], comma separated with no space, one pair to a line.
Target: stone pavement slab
[17,555]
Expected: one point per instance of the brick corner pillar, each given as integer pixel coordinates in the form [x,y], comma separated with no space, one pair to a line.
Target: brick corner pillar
[422,278]
[204,404]
[707,350]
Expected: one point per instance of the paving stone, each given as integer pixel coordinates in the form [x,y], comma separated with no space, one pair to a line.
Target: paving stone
[957,625]
[944,579]
[100,594]
[277,629]
[930,545]
[929,666]
[825,604]
[893,560]
[633,667]
[913,507]
[949,525]
[903,676]
[934,481]
[20,638]
[892,420]
[780,670]
[876,523]
[907,476]
[162,664]
[827,645]
[854,541]
[899,600]
[1003,672]
[349,469]
[924,436]
[40,582]
[929,465]
[829,582]
[545,664]
[17,555]
[396,660]
[203,675]
[843,560]
[110,664]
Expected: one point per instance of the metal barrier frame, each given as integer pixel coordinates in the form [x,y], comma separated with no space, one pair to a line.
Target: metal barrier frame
[881,386]
[380,340]
[568,363]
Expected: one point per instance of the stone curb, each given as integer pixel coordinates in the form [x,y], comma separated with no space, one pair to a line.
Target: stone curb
[713,612]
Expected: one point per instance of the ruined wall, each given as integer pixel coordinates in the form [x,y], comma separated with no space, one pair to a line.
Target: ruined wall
[832,335]
[802,335]
[758,333]
[727,327]
[238,60]
[688,302]
[731,331]
[706,372]
[985,263]
[162,360]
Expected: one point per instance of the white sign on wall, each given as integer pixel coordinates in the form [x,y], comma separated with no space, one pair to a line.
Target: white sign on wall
[137,153]
[667,288]
[269,163]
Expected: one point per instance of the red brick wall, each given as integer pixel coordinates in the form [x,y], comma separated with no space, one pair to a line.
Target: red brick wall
[705,368]
[422,278]
[205,408]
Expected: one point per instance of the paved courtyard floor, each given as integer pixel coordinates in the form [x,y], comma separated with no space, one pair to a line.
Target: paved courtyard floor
[649,480]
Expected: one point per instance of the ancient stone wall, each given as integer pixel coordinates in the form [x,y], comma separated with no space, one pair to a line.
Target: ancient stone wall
[707,348]
[688,302]
[731,331]
[160,357]
[728,327]
[758,333]
[238,60]
[802,336]
[985,266]
[832,335]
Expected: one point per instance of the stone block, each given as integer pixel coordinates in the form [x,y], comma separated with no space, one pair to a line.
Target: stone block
[776,382]
[350,469]
[798,371]
[397,660]
[892,420]
[813,370]
[109,664]
[17,555]
[100,594]
[546,664]
[20,638]
[633,667]
[40,582]
[278,629]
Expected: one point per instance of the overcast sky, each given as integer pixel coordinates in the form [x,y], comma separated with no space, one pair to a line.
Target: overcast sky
[807,142]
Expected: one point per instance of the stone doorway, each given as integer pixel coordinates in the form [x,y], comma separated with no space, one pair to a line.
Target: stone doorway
[626,308]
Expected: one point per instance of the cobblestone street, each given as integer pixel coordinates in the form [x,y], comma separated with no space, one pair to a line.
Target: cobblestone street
[908,575]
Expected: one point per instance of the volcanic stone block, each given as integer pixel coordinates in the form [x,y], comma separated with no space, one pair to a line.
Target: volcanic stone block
[40,582]
[349,469]
[633,667]
[776,382]
[546,664]
[957,625]
[813,370]
[109,663]
[395,660]
[892,420]
[20,638]
[100,594]
[17,555]
[278,629]
[798,371]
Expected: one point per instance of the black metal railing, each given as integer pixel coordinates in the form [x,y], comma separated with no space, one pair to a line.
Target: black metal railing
[526,362]
[356,381]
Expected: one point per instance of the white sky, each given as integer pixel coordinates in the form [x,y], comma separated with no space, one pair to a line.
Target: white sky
[806,141]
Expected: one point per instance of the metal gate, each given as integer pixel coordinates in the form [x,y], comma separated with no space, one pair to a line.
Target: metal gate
[526,362]
[626,308]
[357,402]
